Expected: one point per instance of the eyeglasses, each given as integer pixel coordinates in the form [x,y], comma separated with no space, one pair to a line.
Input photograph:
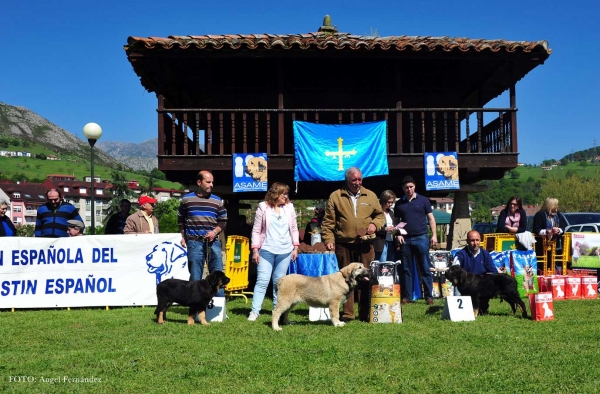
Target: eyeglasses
[54,199]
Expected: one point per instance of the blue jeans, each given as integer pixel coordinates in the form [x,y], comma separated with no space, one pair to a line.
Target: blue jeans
[388,253]
[269,263]
[416,248]
[196,252]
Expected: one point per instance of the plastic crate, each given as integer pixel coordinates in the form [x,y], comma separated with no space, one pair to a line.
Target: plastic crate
[237,262]
[499,242]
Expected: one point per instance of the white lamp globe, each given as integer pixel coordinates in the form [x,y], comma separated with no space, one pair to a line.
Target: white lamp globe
[92,131]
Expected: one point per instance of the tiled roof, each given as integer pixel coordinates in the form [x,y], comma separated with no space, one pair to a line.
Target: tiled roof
[336,41]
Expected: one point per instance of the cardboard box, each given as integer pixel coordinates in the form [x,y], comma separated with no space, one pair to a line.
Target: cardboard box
[541,306]
[386,310]
[589,287]
[573,287]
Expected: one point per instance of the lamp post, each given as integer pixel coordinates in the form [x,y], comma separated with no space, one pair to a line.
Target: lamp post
[92,131]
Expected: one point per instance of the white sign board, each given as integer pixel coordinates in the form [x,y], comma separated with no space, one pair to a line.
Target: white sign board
[458,308]
[92,270]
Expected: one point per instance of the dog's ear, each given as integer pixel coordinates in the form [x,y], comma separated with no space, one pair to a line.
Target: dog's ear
[213,278]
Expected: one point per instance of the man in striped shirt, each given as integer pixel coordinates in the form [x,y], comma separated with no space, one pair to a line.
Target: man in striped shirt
[201,218]
[52,217]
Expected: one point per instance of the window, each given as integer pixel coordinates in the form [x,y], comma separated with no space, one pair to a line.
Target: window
[88,201]
[99,192]
[27,196]
[65,189]
[17,195]
[17,208]
[42,197]
[82,190]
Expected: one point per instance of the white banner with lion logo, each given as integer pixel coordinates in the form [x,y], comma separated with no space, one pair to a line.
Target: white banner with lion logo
[93,270]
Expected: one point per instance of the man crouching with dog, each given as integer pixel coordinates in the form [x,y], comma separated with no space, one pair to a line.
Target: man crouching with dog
[472,258]
[349,210]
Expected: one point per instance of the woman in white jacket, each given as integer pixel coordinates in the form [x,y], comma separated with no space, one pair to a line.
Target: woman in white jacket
[275,241]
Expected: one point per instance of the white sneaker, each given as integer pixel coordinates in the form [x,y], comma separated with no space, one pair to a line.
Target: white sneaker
[253,316]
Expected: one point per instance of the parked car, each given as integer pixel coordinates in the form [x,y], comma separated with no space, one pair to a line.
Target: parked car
[583,228]
[571,218]
[485,228]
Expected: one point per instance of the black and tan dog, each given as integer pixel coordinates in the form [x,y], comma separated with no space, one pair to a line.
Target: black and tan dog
[196,294]
[321,292]
[483,287]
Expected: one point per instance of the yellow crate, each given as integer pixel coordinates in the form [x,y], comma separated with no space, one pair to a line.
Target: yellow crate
[237,262]
[499,242]
[545,250]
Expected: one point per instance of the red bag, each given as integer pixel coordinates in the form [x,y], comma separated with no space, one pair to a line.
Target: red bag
[541,306]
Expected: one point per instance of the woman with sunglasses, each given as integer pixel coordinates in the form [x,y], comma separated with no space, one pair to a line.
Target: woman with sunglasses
[512,219]
[275,240]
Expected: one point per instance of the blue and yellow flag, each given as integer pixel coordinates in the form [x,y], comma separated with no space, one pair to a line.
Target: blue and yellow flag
[323,152]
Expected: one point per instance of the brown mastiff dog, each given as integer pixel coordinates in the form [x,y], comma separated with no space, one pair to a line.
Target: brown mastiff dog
[321,292]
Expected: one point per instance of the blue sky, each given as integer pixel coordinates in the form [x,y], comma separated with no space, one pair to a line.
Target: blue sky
[65,59]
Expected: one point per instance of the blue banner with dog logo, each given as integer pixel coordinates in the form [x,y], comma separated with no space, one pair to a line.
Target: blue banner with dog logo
[323,152]
[441,171]
[250,172]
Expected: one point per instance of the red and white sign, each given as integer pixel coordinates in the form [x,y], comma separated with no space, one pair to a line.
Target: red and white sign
[541,306]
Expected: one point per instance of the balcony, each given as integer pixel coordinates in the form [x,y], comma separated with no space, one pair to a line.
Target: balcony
[191,139]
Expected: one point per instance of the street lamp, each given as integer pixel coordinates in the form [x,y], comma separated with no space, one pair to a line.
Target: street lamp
[93,132]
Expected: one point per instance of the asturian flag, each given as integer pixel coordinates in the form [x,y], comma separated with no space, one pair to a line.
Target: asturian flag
[323,152]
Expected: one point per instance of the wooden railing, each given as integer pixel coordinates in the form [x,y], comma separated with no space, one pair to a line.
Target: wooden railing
[205,131]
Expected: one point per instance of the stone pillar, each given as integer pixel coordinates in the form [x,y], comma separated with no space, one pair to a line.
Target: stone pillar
[460,222]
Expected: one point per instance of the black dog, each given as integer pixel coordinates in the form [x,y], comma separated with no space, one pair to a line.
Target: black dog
[196,294]
[483,287]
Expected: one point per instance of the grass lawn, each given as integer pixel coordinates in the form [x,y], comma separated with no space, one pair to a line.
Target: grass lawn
[588,262]
[129,352]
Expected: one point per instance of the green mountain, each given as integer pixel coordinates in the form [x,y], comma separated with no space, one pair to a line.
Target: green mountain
[23,124]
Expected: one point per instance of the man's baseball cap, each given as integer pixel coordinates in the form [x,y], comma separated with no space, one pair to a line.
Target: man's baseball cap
[76,223]
[146,199]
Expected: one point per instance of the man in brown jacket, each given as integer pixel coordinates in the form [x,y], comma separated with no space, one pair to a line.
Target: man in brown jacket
[143,221]
[350,210]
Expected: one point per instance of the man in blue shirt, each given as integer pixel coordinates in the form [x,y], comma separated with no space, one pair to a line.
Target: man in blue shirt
[474,259]
[415,211]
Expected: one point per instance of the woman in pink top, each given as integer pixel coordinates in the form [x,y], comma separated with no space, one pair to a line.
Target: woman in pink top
[275,241]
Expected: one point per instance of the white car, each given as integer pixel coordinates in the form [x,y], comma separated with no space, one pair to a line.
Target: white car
[583,228]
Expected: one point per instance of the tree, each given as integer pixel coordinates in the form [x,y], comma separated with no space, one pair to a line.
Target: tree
[481,214]
[116,193]
[514,174]
[25,230]
[575,194]
[166,213]
[156,173]
[149,188]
